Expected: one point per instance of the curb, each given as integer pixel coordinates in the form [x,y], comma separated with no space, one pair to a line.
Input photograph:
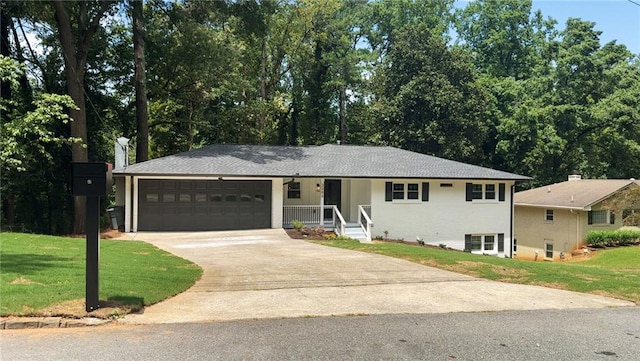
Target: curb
[17,323]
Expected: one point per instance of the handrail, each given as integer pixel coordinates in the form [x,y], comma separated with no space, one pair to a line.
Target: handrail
[368,222]
[343,224]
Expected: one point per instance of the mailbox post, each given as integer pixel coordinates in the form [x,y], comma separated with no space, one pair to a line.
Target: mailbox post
[92,180]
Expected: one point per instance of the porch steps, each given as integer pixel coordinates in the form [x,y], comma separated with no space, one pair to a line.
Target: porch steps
[353,230]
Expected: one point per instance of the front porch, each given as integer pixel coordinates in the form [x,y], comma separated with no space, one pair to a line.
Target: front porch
[330,218]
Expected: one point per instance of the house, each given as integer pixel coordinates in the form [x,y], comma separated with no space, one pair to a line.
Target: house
[364,191]
[552,221]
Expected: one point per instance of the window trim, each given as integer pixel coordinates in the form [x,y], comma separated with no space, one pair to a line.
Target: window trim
[609,218]
[489,192]
[418,191]
[294,190]
[498,243]
[547,243]
[547,214]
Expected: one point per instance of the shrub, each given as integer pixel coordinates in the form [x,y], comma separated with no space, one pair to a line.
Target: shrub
[297,224]
[318,230]
[306,230]
[620,237]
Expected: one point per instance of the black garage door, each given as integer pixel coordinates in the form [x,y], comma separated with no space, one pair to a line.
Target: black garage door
[202,205]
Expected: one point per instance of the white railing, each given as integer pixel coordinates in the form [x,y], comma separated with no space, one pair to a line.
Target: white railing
[365,221]
[304,214]
[367,208]
[339,229]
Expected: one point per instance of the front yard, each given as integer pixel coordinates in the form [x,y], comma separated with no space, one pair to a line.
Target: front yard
[45,276]
[611,272]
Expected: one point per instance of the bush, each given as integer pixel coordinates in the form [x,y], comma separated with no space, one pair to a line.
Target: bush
[318,230]
[306,230]
[620,237]
[297,224]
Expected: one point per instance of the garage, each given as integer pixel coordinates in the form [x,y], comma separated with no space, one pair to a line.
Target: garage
[203,205]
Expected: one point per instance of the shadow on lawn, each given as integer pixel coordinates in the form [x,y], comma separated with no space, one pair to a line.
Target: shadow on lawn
[30,263]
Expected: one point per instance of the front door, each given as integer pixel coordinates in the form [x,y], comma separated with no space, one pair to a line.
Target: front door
[332,195]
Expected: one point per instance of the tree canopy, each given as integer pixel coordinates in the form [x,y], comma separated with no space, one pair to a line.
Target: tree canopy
[493,83]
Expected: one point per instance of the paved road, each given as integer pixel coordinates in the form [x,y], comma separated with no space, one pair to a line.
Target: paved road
[265,274]
[576,334]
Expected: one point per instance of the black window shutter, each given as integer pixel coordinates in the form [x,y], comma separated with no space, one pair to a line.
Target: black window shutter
[388,191]
[612,218]
[589,217]
[500,242]
[469,192]
[501,190]
[425,191]
[467,243]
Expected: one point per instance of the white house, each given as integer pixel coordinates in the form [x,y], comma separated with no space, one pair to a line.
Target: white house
[364,191]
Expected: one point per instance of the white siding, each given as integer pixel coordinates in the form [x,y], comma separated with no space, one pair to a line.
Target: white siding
[360,194]
[445,218]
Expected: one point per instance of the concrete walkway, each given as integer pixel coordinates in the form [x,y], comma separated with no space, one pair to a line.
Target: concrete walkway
[264,274]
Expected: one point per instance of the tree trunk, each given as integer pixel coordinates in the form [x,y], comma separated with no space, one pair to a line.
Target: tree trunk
[74,72]
[75,58]
[343,115]
[142,113]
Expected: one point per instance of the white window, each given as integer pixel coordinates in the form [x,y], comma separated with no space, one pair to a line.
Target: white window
[490,191]
[548,215]
[479,243]
[412,191]
[293,191]
[406,191]
[398,190]
[548,249]
[478,191]
[600,217]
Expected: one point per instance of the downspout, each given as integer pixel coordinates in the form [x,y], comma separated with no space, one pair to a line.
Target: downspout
[511,223]
[577,228]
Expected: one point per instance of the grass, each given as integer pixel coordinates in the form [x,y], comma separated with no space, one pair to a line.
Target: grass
[39,272]
[611,272]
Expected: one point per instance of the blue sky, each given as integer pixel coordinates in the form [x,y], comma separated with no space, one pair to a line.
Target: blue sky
[617,19]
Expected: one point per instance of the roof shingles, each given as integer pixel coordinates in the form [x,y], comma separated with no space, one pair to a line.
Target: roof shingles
[340,161]
[575,194]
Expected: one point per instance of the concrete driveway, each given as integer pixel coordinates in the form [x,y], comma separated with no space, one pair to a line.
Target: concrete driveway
[265,274]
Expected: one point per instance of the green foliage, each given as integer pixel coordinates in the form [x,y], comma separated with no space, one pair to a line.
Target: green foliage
[297,224]
[429,99]
[511,92]
[40,271]
[620,237]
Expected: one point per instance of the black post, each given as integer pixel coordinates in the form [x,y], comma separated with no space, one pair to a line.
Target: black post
[92,227]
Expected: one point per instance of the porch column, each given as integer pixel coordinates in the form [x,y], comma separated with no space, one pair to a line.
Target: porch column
[135,204]
[127,204]
[322,202]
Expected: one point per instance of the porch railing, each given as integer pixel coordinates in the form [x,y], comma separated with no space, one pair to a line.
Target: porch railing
[339,223]
[365,221]
[314,215]
[304,214]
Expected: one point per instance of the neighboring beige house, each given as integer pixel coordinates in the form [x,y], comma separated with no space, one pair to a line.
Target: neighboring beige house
[553,220]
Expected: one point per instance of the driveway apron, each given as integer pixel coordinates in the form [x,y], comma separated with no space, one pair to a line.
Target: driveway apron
[265,274]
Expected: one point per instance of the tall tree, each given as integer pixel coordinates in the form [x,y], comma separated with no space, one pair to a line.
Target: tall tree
[75,40]
[142,113]
[429,99]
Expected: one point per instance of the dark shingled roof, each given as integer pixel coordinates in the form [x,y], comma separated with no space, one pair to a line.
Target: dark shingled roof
[330,160]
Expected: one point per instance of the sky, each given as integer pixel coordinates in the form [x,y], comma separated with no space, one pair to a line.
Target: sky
[617,19]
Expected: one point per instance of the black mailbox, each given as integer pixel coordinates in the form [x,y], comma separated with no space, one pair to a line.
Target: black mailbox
[91,179]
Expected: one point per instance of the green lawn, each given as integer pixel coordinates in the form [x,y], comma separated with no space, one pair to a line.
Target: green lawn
[611,272]
[40,271]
